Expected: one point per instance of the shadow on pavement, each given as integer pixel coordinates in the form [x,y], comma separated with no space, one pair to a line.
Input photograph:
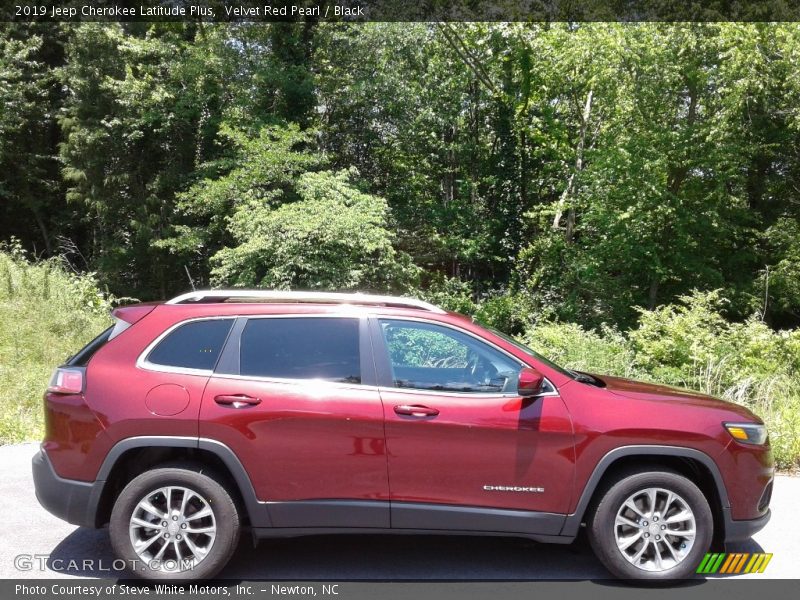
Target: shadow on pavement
[84,553]
[87,553]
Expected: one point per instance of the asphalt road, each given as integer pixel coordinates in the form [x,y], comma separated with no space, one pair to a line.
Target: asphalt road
[51,548]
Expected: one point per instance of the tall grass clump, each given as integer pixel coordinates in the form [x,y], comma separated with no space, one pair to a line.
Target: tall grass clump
[47,313]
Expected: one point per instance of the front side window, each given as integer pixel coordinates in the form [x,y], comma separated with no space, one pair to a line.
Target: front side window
[425,356]
[193,345]
[301,348]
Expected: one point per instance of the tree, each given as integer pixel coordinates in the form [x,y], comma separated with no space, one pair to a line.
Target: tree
[258,170]
[139,116]
[574,170]
[31,189]
[333,237]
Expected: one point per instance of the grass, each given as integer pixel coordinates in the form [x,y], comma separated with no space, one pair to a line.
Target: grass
[46,314]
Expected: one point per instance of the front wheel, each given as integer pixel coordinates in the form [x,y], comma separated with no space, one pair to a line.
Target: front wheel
[651,525]
[174,522]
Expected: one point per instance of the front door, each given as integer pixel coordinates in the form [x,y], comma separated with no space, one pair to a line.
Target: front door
[295,399]
[465,451]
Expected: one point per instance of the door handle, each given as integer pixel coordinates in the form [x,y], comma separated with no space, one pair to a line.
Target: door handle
[236,400]
[416,410]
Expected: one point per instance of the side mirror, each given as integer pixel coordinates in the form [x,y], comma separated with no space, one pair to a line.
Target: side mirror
[530,382]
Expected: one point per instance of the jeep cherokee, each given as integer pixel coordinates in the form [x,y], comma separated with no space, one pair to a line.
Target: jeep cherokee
[293,413]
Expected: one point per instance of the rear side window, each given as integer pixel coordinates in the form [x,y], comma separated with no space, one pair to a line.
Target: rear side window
[81,359]
[194,345]
[301,348]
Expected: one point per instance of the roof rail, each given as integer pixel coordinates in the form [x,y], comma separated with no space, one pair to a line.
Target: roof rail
[202,296]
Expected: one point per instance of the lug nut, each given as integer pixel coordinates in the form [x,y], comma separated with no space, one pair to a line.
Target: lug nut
[164,524]
[658,537]
[177,537]
[644,523]
[183,526]
[175,518]
[655,518]
[646,535]
[663,527]
[166,535]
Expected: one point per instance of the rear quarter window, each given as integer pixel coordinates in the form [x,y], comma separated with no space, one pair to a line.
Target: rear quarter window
[193,345]
[82,357]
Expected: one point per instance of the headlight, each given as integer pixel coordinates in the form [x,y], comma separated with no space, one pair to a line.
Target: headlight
[747,433]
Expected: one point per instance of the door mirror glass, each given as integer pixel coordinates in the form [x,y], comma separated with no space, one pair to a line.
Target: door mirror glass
[530,382]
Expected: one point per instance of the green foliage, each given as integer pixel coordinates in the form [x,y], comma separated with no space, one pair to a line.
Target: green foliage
[593,167]
[139,118]
[46,314]
[572,346]
[333,237]
[420,347]
[779,285]
[258,171]
[30,180]
[509,312]
[690,344]
[524,173]
[450,293]
[672,339]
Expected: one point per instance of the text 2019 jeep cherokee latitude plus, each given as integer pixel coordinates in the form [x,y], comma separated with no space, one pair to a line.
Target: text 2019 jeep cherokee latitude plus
[301,413]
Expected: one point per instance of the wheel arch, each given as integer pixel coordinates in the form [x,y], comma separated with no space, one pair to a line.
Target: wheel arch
[687,461]
[133,456]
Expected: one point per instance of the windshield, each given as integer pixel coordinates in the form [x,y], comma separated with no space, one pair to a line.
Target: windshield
[532,353]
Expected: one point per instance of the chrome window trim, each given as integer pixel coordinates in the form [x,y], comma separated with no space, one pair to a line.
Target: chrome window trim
[142,361]
[294,381]
[144,364]
[379,317]
[477,395]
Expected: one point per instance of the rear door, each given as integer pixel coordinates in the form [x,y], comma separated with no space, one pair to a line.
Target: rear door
[295,398]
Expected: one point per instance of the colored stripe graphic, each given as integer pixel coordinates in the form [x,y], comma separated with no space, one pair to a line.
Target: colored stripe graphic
[729,560]
[767,558]
[741,562]
[702,567]
[732,563]
[751,564]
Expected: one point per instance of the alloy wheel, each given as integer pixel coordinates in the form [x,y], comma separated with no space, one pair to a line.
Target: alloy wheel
[655,529]
[172,529]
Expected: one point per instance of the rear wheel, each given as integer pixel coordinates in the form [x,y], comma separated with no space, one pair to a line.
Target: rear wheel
[174,522]
[651,525]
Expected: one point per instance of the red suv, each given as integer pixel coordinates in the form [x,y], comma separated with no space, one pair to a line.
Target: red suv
[287,413]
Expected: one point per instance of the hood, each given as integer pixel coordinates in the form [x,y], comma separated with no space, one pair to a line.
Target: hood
[639,390]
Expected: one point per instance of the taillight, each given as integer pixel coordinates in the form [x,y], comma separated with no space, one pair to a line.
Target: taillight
[66,381]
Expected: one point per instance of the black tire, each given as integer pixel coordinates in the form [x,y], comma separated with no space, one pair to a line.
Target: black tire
[602,531]
[199,480]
